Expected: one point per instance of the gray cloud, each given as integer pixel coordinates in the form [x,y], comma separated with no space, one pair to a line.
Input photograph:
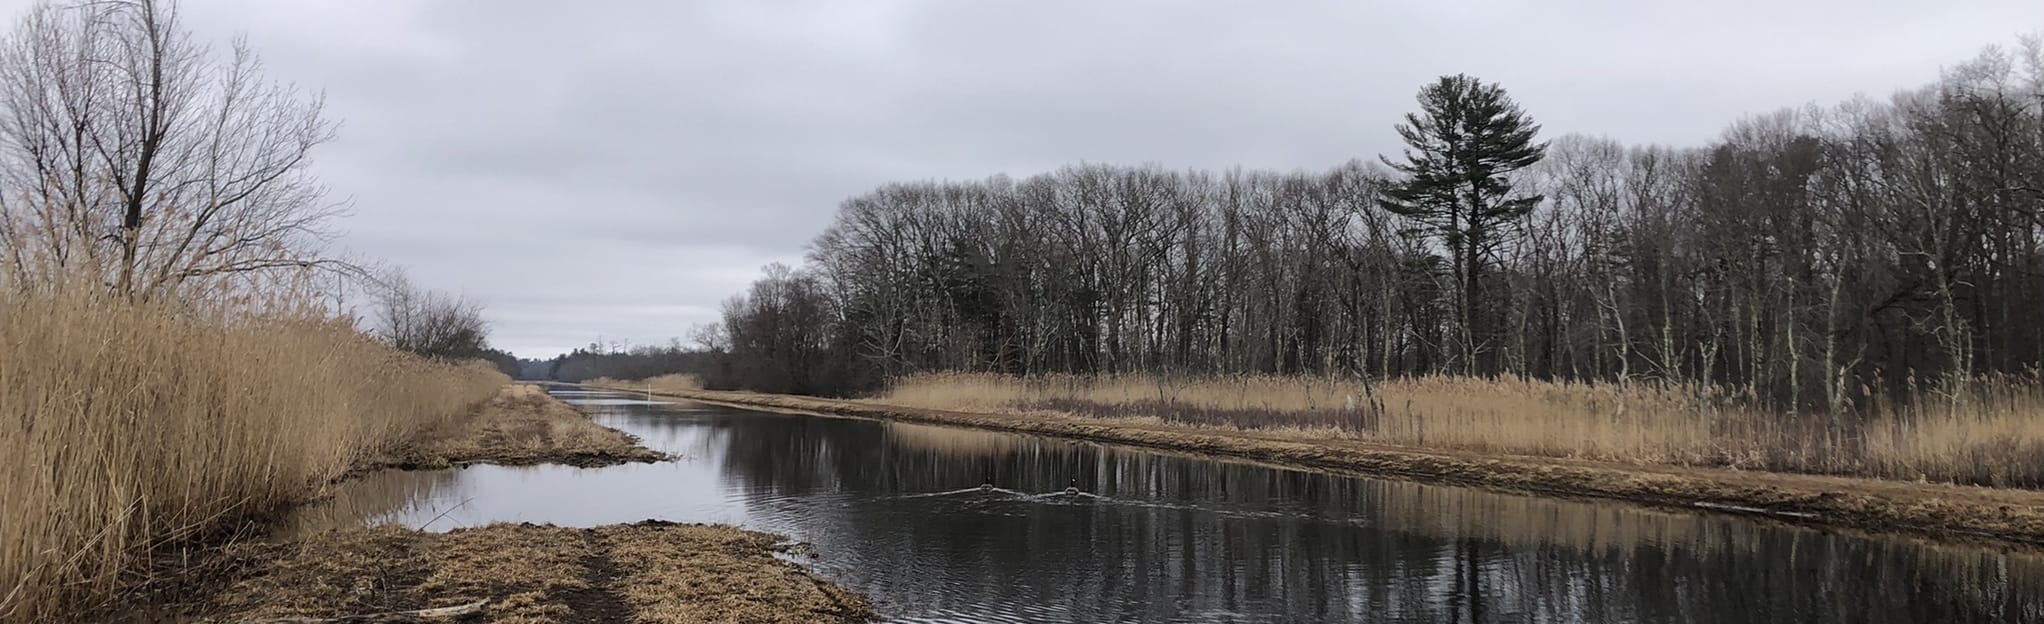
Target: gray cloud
[613,170]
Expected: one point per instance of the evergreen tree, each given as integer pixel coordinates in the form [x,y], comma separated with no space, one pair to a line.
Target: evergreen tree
[1461,147]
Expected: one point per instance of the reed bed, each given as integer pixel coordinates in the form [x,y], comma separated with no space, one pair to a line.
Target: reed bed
[1987,431]
[673,382]
[131,430]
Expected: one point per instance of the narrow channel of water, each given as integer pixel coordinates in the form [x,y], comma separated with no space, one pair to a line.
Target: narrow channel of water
[897,512]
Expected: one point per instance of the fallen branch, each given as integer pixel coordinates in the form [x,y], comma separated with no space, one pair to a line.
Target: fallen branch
[1755,510]
[393,616]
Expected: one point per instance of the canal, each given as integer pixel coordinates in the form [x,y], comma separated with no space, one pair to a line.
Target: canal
[951,525]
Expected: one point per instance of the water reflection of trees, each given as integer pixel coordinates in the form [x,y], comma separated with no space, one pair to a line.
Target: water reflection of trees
[372,499]
[1193,539]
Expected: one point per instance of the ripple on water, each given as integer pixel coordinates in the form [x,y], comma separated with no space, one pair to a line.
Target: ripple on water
[612,402]
[894,511]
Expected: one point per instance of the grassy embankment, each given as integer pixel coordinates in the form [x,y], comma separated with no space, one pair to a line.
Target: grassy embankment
[1991,434]
[1649,444]
[520,426]
[149,446]
[651,571]
[133,430]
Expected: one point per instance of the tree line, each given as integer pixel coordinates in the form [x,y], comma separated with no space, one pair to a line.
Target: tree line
[1805,258]
[621,362]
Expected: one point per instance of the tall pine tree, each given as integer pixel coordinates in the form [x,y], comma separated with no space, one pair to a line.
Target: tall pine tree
[1460,149]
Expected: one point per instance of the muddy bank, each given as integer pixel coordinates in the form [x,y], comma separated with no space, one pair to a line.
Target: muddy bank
[650,571]
[1960,513]
[520,426]
[646,571]
[653,572]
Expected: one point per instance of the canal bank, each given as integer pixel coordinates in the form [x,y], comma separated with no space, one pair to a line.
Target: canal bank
[648,571]
[944,524]
[1997,516]
[521,426]
[306,571]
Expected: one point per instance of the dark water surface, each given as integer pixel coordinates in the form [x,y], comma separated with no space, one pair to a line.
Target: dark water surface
[895,511]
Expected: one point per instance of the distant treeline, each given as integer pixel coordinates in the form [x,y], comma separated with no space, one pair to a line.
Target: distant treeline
[622,363]
[1804,257]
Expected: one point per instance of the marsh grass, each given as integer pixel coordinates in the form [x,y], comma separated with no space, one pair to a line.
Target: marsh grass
[649,571]
[129,429]
[674,382]
[520,426]
[1987,431]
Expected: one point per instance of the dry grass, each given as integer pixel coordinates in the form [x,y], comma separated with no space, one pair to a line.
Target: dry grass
[1992,433]
[1947,512]
[650,572]
[522,425]
[707,574]
[128,429]
[528,573]
[331,572]
[677,382]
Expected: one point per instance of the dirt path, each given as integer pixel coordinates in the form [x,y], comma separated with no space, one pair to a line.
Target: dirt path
[652,572]
[1947,512]
[599,600]
[521,426]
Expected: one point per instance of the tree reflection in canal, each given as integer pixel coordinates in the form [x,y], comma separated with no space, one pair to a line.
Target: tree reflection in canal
[896,512]
[1184,538]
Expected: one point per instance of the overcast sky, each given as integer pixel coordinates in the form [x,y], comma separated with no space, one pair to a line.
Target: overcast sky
[613,170]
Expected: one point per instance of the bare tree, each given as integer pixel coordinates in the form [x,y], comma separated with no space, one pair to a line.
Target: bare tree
[429,323]
[133,153]
[1807,258]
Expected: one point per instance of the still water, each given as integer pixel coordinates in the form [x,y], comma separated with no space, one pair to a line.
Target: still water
[898,512]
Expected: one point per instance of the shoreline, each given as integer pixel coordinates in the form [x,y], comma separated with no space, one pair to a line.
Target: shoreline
[520,426]
[1958,513]
[519,572]
[535,573]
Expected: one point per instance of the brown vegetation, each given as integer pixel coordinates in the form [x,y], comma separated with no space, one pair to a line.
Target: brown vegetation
[173,367]
[520,426]
[650,572]
[703,573]
[679,382]
[1993,435]
[1937,510]
[132,427]
[1835,290]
